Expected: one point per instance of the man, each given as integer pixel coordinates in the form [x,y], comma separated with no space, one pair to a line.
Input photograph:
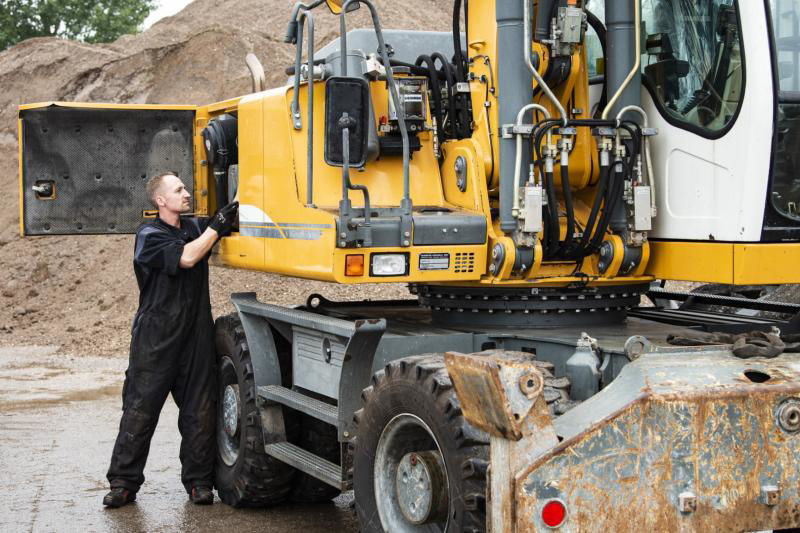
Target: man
[172,344]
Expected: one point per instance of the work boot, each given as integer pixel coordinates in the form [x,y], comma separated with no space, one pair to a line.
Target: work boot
[118,496]
[202,495]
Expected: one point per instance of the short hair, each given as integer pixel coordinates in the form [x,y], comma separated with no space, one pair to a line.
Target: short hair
[154,184]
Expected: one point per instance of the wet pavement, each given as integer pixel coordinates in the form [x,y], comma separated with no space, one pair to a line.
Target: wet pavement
[58,421]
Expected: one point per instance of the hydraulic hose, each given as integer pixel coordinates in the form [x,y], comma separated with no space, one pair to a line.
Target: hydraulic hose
[609,189]
[451,83]
[614,196]
[605,173]
[416,70]
[565,190]
[614,192]
[553,229]
[461,70]
[436,88]
[458,53]
[599,231]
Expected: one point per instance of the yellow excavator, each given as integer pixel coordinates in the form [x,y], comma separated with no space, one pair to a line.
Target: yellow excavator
[532,174]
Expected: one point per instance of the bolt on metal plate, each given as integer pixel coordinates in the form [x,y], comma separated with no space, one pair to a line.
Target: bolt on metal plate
[687,502]
[789,415]
[770,495]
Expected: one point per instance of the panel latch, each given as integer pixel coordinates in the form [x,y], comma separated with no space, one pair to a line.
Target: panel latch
[45,189]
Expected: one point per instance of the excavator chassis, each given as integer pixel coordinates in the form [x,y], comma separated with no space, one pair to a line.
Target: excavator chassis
[678,438]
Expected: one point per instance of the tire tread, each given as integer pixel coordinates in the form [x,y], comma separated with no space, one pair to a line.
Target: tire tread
[256,479]
[430,375]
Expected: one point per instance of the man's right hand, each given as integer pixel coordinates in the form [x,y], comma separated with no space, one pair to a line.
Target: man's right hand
[224,219]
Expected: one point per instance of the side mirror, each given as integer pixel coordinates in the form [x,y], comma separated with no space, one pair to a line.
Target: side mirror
[347,105]
[336,6]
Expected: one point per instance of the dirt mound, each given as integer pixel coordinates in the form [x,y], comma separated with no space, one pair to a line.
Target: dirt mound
[79,292]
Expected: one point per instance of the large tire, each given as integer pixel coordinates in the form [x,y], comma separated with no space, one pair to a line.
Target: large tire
[408,390]
[245,475]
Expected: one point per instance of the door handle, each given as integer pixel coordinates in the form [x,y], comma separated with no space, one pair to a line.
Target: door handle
[45,190]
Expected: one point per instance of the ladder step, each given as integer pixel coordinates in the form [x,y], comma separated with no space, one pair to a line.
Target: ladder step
[300,402]
[307,462]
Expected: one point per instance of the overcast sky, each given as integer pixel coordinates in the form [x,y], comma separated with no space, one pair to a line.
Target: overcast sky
[164,8]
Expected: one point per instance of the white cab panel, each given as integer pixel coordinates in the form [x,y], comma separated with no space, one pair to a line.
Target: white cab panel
[716,189]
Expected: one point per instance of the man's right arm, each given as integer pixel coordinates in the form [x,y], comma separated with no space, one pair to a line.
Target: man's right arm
[220,224]
[196,250]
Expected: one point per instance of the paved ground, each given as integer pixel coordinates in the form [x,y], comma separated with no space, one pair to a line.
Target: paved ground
[58,421]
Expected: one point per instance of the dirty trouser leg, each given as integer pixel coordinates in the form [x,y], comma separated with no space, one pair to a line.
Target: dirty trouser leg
[148,380]
[195,393]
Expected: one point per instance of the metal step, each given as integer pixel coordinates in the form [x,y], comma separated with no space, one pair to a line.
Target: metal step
[300,402]
[307,462]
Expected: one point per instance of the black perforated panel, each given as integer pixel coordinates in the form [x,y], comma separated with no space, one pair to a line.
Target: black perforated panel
[98,161]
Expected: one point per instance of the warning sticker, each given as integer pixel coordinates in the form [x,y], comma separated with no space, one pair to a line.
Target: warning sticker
[434,262]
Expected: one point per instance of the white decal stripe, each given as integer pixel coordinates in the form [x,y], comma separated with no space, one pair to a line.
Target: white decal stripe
[253,215]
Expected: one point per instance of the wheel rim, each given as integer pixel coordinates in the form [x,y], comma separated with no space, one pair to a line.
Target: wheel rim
[229,413]
[230,410]
[410,478]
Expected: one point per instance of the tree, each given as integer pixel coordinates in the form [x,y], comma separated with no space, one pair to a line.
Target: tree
[97,21]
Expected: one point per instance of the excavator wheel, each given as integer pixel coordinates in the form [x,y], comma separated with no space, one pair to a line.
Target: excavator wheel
[418,464]
[245,475]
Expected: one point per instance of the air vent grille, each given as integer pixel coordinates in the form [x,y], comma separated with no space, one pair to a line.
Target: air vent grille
[464,263]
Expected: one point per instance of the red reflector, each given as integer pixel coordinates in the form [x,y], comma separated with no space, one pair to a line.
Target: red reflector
[554,513]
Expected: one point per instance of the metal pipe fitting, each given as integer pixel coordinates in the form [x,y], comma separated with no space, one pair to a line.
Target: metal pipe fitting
[527,52]
[518,163]
[645,147]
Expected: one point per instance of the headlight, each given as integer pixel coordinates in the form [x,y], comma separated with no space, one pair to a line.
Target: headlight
[389,265]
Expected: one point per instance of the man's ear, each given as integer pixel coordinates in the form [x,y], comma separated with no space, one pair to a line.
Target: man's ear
[160,201]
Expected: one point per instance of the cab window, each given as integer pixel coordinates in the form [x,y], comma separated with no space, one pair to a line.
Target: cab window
[692,62]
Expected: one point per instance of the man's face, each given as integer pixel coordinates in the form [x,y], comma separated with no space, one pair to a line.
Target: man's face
[173,196]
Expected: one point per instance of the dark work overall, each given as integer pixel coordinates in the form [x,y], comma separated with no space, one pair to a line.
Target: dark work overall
[172,351]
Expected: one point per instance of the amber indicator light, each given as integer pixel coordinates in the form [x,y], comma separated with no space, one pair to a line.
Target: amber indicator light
[354,265]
